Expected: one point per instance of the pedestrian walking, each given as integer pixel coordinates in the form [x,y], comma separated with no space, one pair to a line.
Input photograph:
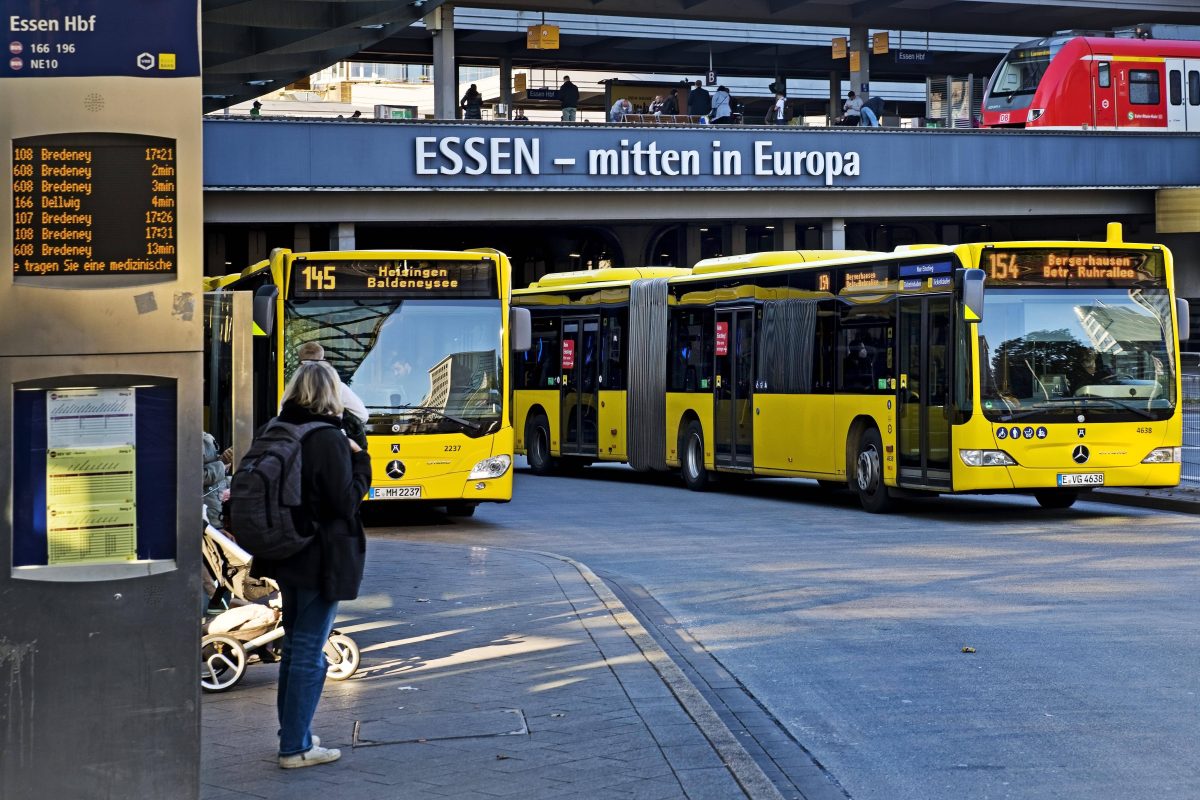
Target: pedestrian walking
[472,104]
[671,104]
[699,101]
[568,96]
[722,107]
[335,474]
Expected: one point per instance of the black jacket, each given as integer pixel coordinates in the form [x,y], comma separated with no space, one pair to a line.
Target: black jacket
[568,95]
[671,105]
[333,482]
[699,102]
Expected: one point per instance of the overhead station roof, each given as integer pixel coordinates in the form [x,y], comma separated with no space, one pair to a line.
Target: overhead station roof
[253,46]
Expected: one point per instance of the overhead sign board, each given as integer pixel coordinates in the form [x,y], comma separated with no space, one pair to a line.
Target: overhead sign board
[840,45]
[542,37]
[78,38]
[912,56]
[879,43]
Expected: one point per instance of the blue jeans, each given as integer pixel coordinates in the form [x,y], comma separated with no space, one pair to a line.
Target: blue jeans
[307,621]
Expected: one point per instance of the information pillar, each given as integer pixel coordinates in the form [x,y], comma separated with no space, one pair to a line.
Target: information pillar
[100,399]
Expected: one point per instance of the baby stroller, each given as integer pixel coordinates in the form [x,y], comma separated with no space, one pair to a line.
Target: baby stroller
[252,622]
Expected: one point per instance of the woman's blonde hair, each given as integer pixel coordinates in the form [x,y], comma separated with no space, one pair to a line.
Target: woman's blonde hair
[315,385]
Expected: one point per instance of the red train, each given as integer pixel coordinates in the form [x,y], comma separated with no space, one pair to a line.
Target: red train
[1074,82]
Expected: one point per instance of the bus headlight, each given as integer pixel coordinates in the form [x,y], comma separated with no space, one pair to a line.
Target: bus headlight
[986,458]
[1164,455]
[492,467]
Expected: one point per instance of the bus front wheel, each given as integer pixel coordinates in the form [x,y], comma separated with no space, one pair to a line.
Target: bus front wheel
[537,445]
[1056,498]
[868,474]
[691,457]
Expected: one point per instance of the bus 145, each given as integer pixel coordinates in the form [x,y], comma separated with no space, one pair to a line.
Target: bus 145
[420,337]
[1072,82]
[877,372]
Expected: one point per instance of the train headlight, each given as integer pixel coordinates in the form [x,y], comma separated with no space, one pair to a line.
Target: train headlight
[1164,455]
[986,458]
[1036,113]
[492,467]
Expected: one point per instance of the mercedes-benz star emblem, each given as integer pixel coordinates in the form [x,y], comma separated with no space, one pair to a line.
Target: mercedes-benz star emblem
[395,469]
[1080,454]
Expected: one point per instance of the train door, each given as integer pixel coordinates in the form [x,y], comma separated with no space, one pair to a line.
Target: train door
[923,391]
[579,384]
[1104,93]
[1183,94]
[733,412]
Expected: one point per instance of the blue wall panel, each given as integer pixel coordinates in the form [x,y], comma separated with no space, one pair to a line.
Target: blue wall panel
[262,154]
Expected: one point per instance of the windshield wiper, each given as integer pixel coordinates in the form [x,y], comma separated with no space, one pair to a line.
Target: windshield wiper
[459,420]
[1071,402]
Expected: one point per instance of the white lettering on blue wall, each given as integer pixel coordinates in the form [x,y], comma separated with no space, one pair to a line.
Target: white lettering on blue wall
[827,165]
[477,155]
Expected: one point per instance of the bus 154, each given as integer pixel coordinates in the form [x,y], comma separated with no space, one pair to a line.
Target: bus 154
[420,337]
[1071,82]
[879,372]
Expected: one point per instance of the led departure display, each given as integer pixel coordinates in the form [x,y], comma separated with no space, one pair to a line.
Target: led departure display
[387,279]
[94,204]
[1071,267]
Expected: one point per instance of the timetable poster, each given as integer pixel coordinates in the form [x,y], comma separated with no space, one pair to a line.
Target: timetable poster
[91,508]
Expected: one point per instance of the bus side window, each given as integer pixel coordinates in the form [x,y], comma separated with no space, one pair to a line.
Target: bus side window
[691,350]
[541,360]
[1104,74]
[614,349]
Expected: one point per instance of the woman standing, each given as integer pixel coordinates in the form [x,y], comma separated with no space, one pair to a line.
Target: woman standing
[335,474]
[722,107]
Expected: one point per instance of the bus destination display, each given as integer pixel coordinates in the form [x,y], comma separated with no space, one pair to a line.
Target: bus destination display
[94,204]
[1071,267]
[389,278]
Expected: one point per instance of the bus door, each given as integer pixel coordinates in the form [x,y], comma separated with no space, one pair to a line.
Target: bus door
[923,390]
[1183,94]
[1104,93]
[580,381]
[733,412]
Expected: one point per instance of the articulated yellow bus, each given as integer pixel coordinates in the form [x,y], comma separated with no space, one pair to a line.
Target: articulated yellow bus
[420,337]
[884,373]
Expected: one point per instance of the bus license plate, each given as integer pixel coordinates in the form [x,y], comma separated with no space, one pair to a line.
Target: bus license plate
[1081,479]
[396,493]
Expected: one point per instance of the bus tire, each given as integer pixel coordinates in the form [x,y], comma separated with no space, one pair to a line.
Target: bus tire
[1056,498]
[537,445]
[461,509]
[691,457]
[868,473]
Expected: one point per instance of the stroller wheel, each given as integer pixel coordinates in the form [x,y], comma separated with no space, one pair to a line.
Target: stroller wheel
[222,663]
[343,656]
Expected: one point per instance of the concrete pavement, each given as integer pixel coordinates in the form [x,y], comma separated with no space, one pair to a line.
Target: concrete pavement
[486,673]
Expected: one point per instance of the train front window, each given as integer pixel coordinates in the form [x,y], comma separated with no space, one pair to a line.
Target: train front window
[1017,78]
[1052,355]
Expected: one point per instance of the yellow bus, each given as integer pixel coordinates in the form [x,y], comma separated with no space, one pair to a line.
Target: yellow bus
[420,338]
[882,373]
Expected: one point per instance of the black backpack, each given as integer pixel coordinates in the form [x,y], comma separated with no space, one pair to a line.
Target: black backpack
[266,488]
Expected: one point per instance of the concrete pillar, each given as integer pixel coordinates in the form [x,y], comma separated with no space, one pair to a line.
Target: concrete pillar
[860,79]
[833,234]
[301,238]
[256,246]
[835,95]
[785,234]
[506,88]
[737,237]
[344,236]
[440,23]
[691,248]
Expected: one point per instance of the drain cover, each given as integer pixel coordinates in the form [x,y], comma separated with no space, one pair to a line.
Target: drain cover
[434,727]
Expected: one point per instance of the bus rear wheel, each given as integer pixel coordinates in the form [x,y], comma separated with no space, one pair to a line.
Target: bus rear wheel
[537,445]
[691,457]
[1056,498]
[868,474]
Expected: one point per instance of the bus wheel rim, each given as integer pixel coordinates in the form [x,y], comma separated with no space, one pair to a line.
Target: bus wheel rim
[868,470]
[693,455]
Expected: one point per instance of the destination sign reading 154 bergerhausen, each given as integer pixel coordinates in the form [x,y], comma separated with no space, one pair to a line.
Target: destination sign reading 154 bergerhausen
[94,204]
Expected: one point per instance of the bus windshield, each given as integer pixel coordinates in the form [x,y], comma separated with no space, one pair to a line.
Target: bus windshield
[1051,354]
[420,366]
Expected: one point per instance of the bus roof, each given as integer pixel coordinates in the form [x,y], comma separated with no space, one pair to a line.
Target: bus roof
[605,275]
[771,258]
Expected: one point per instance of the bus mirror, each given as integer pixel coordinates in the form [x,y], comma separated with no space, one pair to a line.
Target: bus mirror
[520,330]
[972,295]
[1183,317]
[265,298]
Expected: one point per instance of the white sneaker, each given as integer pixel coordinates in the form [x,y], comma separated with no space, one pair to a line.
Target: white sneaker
[316,755]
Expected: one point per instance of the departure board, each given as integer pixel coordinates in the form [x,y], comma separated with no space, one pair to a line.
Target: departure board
[99,204]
